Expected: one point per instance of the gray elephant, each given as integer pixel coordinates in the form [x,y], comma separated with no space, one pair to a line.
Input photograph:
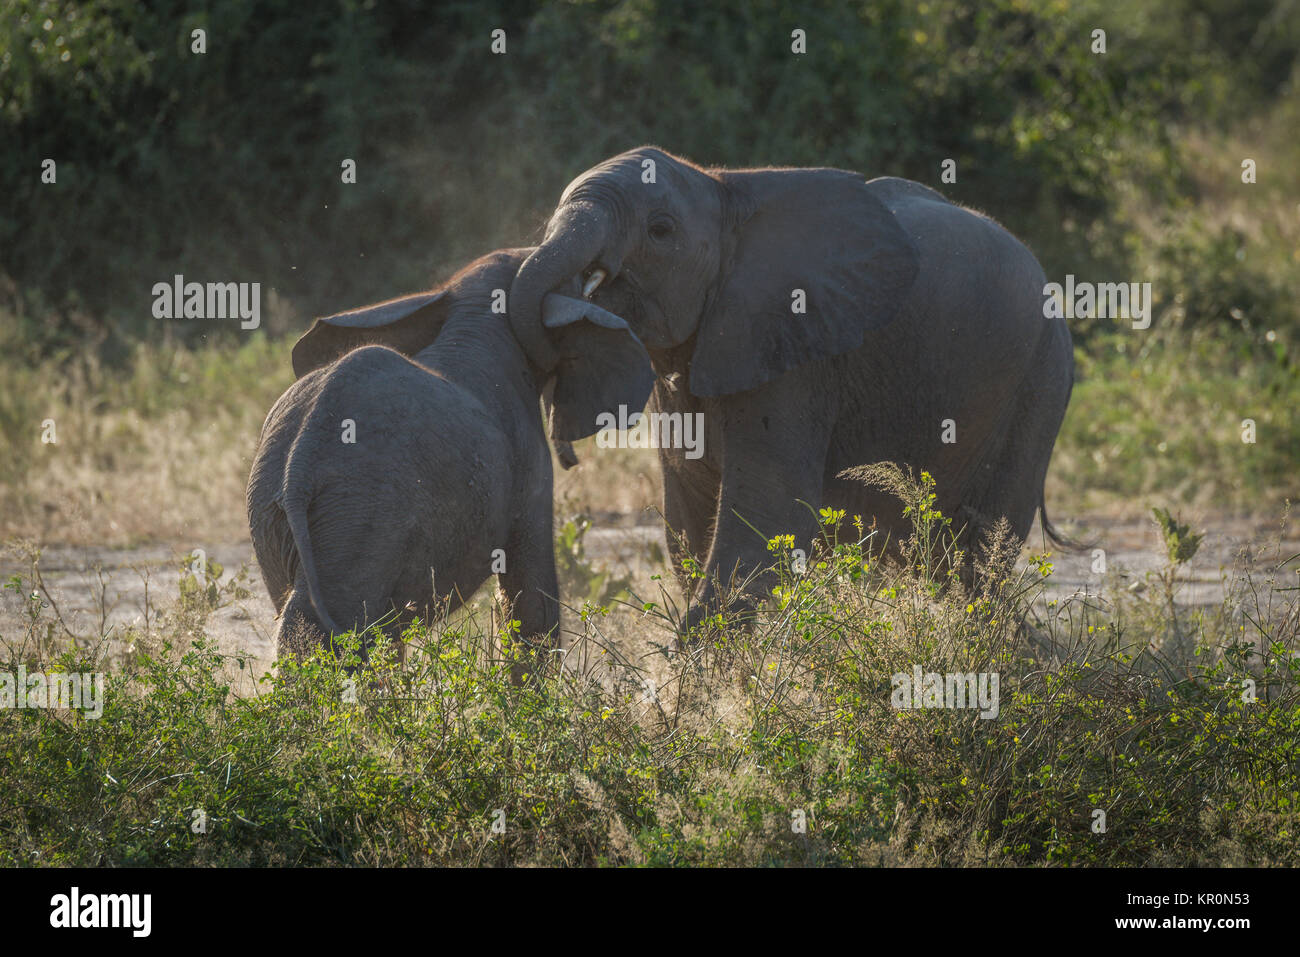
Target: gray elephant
[409,460]
[819,321]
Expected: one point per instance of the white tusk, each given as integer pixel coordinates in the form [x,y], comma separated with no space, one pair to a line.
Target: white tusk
[593,282]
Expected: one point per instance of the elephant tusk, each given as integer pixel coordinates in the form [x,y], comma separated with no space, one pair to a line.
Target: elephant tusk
[593,282]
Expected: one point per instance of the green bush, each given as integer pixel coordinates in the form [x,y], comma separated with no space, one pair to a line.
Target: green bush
[780,746]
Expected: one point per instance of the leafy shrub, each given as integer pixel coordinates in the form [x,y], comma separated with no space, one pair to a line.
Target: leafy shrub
[778,746]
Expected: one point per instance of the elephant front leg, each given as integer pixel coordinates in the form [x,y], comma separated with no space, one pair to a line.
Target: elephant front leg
[690,503]
[771,485]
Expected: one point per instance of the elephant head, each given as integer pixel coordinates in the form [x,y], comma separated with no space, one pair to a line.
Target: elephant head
[767,269]
[594,362]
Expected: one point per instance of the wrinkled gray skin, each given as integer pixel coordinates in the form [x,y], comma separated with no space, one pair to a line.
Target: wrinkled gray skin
[450,459]
[918,311]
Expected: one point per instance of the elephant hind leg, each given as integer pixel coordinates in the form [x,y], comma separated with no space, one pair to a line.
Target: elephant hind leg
[1010,487]
[300,632]
[530,588]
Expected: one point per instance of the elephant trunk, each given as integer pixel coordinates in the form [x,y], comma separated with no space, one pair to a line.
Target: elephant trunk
[575,238]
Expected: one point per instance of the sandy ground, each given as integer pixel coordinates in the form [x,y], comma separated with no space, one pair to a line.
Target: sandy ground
[104,591]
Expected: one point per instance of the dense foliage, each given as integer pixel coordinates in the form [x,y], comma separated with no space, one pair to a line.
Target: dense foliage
[226,165]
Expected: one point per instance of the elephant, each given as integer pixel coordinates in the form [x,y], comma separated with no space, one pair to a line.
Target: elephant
[819,322]
[408,461]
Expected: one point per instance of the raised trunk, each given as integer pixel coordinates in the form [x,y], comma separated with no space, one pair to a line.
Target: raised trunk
[576,236]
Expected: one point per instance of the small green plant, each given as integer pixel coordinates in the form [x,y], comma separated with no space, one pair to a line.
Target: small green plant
[1180,543]
[205,592]
[576,573]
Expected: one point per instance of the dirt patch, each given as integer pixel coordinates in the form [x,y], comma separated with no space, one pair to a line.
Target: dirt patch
[108,591]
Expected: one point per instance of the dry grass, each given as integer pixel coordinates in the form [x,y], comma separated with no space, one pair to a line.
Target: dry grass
[157,451]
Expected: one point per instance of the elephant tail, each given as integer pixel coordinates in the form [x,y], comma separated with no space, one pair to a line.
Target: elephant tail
[1057,539]
[294,504]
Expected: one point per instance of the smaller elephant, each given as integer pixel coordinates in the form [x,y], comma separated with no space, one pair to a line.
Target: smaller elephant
[409,460]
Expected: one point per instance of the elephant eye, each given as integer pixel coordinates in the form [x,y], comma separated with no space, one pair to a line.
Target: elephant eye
[661,228]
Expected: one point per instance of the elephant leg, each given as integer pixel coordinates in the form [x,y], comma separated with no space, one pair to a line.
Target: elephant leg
[773,460]
[690,503]
[274,551]
[298,632]
[1009,483]
[277,584]
[532,590]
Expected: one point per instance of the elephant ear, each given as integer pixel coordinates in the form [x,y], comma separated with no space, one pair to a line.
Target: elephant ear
[407,324]
[819,233]
[602,366]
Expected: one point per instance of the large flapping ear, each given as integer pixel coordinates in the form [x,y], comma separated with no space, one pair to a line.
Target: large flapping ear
[602,366]
[818,262]
[407,325]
